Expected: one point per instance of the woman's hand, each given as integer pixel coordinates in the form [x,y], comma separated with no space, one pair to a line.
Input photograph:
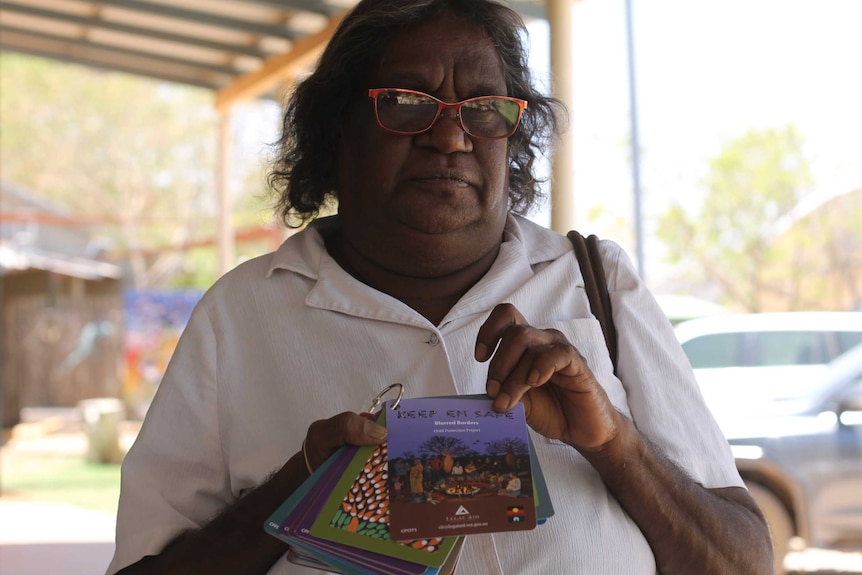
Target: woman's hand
[325,436]
[540,368]
[721,529]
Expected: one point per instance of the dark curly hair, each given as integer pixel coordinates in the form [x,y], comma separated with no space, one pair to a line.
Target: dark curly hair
[302,176]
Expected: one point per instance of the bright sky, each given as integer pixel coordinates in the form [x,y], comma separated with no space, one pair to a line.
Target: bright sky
[706,72]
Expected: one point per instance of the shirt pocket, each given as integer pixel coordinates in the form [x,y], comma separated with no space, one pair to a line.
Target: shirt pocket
[587,337]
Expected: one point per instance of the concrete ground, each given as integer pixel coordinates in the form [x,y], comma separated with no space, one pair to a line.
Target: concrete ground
[38,538]
[41,537]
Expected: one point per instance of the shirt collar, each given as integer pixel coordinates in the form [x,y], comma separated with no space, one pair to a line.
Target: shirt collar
[526,247]
[303,252]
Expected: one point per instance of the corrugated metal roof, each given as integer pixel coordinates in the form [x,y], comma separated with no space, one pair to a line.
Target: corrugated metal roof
[32,236]
[239,48]
[16,259]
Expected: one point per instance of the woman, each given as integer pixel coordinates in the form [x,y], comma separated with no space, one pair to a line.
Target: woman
[422,122]
[416,479]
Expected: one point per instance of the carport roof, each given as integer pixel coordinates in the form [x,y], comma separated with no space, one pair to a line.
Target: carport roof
[238,48]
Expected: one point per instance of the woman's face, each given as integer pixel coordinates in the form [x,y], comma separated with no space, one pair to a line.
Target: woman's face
[435,202]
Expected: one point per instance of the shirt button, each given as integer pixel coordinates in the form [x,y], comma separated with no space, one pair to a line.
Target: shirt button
[434,339]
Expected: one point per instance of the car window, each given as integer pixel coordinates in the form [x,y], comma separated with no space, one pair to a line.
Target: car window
[715,350]
[790,348]
[855,389]
[848,339]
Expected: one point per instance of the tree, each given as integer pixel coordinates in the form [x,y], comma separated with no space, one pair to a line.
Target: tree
[133,154]
[510,444]
[826,242]
[440,445]
[753,186]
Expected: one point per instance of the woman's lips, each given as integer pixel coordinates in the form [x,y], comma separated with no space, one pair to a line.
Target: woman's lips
[448,180]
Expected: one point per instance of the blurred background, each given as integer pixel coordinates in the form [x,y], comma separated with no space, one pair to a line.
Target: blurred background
[718,142]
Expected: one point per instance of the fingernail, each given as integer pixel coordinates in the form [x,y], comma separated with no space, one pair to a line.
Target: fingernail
[533,378]
[502,402]
[492,388]
[377,432]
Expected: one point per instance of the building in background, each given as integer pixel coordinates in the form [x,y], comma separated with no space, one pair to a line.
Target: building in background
[62,309]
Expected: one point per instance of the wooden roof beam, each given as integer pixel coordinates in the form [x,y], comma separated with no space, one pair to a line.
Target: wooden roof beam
[276,68]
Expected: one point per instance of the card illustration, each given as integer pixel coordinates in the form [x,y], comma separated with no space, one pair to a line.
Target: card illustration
[293,519]
[357,513]
[458,467]
[358,535]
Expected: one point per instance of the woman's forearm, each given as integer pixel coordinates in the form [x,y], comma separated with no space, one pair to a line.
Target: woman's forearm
[690,529]
[235,541]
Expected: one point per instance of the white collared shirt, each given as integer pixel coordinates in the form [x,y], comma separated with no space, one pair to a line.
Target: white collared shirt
[289,338]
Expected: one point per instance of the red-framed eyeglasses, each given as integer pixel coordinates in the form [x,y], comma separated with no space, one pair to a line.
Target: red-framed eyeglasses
[410,112]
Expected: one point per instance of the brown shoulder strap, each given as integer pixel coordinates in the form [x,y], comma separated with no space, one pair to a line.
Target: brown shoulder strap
[587,252]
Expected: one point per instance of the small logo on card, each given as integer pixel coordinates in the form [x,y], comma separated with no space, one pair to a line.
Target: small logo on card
[462,511]
[515,514]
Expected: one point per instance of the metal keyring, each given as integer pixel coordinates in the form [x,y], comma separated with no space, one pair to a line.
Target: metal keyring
[377,401]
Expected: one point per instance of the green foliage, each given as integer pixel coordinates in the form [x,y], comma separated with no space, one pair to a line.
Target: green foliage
[199,270]
[824,248]
[613,223]
[753,186]
[105,144]
[136,155]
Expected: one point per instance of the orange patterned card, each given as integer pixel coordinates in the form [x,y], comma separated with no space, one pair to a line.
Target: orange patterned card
[357,513]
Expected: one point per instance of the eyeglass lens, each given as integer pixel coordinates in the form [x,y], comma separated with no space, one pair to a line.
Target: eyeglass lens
[485,117]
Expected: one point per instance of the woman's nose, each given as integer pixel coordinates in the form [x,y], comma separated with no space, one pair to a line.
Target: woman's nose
[448,135]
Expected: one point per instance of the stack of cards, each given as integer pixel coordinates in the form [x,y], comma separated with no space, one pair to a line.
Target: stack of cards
[451,467]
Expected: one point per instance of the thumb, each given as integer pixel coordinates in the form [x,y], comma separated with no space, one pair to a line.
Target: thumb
[325,436]
[371,433]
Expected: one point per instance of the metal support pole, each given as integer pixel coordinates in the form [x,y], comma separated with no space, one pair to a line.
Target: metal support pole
[635,144]
[225,206]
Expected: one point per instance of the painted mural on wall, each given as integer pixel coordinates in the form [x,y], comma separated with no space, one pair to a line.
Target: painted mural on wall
[154,322]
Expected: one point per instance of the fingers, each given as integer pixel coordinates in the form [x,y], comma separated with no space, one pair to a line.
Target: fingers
[525,357]
[325,436]
[502,317]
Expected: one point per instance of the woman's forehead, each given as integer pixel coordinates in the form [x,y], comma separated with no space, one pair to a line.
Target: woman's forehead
[429,54]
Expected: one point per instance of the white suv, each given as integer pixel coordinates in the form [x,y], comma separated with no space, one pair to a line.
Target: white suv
[748,363]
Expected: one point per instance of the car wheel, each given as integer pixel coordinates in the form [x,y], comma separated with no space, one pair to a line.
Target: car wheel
[778,519]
